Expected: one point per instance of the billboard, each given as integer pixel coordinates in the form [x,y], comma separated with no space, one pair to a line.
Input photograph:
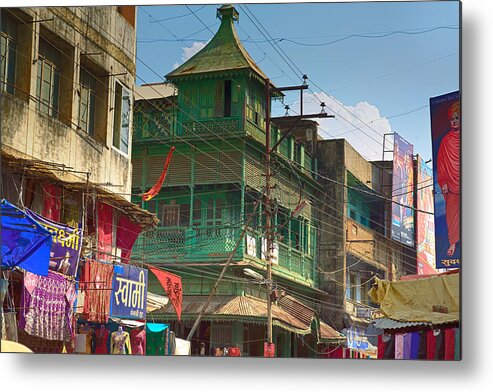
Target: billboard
[445,138]
[425,223]
[129,293]
[403,192]
[66,247]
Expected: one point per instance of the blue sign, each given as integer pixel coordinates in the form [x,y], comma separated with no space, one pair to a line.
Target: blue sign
[356,339]
[129,293]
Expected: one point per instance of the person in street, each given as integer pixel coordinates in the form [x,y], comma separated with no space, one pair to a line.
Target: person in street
[448,175]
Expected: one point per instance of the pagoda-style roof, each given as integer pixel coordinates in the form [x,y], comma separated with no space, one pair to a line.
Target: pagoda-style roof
[223,53]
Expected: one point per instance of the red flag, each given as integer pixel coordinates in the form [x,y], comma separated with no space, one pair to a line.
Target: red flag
[171,283]
[159,183]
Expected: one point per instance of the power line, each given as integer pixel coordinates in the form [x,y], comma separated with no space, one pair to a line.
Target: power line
[151,69]
[378,36]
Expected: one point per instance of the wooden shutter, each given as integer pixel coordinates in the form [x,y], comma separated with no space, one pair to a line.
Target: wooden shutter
[219,104]
[137,172]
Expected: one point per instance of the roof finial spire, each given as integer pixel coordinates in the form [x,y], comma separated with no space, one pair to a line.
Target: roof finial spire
[228,11]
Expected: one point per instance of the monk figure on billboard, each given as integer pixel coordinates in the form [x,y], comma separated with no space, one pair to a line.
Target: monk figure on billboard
[448,173]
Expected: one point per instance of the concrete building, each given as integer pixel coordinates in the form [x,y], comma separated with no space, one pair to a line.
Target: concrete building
[215,118]
[354,237]
[67,76]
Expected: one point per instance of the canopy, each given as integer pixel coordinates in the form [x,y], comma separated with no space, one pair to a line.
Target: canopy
[434,300]
[7,346]
[25,243]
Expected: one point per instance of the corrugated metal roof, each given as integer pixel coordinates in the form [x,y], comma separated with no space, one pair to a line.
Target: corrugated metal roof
[327,333]
[154,91]
[155,302]
[293,306]
[386,323]
[233,307]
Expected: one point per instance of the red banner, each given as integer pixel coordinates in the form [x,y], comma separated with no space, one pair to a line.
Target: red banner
[159,183]
[171,283]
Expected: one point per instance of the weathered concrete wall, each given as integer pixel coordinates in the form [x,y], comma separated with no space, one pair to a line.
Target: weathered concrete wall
[331,212]
[96,35]
[358,166]
[340,237]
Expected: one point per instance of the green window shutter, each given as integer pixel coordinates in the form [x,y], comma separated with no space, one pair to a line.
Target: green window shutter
[137,172]
[230,166]
[219,104]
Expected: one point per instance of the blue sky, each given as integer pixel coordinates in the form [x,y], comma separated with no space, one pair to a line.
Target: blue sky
[375,84]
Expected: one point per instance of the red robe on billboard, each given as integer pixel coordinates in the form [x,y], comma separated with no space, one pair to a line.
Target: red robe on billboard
[448,173]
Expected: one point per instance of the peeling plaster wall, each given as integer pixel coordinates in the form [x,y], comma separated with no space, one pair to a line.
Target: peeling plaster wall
[110,42]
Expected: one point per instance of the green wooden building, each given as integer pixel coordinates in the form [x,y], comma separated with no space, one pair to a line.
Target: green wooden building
[212,110]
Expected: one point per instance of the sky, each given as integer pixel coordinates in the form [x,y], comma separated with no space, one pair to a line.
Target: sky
[473,373]
[375,65]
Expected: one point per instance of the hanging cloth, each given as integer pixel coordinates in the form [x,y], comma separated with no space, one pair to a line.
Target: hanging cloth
[46,305]
[406,353]
[415,336]
[126,235]
[138,341]
[101,340]
[96,282]
[159,183]
[399,346]
[449,344]
[457,341]
[440,345]
[52,202]
[423,345]
[390,348]
[430,344]
[156,339]
[105,230]
[381,347]
[25,243]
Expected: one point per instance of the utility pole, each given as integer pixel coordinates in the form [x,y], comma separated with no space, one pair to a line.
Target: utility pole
[226,265]
[269,234]
[268,212]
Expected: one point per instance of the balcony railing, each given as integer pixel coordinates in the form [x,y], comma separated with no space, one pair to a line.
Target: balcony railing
[216,126]
[291,262]
[190,241]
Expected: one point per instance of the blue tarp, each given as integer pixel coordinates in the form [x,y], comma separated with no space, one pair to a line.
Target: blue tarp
[25,243]
[155,327]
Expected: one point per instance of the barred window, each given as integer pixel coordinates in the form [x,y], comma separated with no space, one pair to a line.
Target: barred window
[87,105]
[48,78]
[8,53]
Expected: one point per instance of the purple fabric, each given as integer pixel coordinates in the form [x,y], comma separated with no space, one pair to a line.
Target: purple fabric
[406,353]
[399,346]
[414,345]
[46,306]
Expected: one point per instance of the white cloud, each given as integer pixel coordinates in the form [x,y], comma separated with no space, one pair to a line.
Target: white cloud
[361,125]
[188,52]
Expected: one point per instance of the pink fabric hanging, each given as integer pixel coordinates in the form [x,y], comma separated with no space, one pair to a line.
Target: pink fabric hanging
[105,230]
[126,235]
[51,202]
[399,346]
